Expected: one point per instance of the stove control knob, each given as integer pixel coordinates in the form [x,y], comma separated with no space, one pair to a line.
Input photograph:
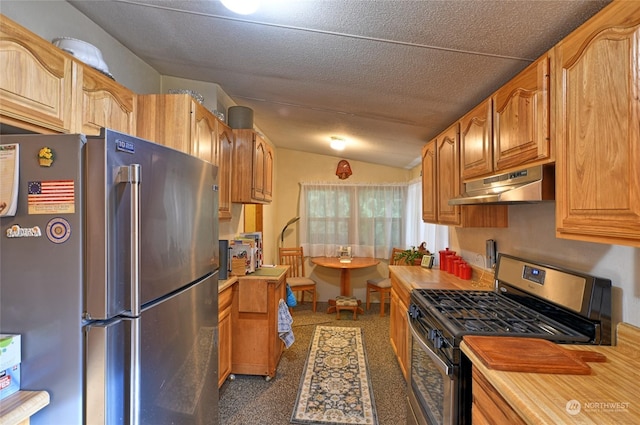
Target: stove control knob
[437,341]
[432,334]
[414,311]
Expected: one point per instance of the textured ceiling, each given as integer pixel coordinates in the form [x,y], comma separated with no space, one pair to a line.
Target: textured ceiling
[387,75]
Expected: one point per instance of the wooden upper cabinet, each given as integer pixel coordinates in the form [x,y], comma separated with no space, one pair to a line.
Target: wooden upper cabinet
[441,181]
[36,82]
[429,183]
[476,140]
[168,119]
[448,175]
[104,103]
[268,172]
[252,181]
[224,161]
[521,120]
[205,138]
[597,128]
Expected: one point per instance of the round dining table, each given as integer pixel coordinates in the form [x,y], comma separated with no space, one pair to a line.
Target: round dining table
[345,271]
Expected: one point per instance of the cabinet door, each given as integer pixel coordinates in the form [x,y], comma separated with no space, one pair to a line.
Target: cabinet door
[597,86]
[205,137]
[476,141]
[489,407]
[36,83]
[259,158]
[167,119]
[224,160]
[105,103]
[521,123]
[448,172]
[225,334]
[398,330]
[429,183]
[268,173]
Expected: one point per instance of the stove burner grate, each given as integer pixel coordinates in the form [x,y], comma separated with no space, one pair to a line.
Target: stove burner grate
[490,313]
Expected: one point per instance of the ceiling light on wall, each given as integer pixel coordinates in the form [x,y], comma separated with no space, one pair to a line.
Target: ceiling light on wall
[242,7]
[338,143]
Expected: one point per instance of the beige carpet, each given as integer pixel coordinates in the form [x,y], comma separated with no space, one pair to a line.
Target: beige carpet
[335,387]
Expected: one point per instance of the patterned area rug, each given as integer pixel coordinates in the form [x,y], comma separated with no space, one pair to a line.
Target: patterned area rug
[335,387]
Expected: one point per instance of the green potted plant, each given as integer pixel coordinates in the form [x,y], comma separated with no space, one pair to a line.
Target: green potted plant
[412,256]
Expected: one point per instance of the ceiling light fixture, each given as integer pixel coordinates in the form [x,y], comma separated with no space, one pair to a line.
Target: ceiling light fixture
[337,143]
[242,7]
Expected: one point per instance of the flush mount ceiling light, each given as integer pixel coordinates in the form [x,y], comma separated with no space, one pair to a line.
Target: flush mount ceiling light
[337,143]
[242,7]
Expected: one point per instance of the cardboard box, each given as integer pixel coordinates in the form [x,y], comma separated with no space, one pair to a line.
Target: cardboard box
[9,351]
[9,381]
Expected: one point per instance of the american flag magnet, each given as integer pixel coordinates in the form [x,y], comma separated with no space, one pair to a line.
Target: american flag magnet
[51,197]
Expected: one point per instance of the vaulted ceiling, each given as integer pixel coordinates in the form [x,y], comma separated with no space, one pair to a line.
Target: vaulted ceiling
[387,75]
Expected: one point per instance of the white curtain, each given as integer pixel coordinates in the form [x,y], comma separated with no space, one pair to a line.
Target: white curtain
[366,217]
[417,231]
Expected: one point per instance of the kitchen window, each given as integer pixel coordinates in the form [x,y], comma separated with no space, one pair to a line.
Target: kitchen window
[370,218]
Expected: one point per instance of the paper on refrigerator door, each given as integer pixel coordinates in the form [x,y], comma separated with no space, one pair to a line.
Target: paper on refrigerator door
[9,171]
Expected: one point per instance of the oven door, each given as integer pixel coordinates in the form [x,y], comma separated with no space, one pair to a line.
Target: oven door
[432,384]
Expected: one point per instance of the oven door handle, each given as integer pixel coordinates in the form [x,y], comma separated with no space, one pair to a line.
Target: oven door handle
[418,338]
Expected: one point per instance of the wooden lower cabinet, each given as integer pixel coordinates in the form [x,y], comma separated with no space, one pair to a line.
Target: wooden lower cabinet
[225,334]
[256,344]
[398,324]
[489,408]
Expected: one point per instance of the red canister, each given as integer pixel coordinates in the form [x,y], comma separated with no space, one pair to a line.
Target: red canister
[465,273]
[443,253]
[451,260]
[457,264]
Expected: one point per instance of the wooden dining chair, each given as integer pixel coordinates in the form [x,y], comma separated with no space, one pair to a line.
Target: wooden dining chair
[382,285]
[294,258]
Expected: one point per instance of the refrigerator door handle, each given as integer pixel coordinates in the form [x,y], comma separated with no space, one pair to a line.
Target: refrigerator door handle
[134,383]
[131,174]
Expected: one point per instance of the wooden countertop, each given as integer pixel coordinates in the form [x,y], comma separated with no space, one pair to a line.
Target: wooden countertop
[416,277]
[20,406]
[609,395]
[224,284]
[274,272]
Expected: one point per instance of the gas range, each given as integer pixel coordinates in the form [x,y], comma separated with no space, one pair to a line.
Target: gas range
[529,300]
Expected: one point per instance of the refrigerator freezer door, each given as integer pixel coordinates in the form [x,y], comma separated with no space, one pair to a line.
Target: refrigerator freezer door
[178,235]
[41,275]
[178,362]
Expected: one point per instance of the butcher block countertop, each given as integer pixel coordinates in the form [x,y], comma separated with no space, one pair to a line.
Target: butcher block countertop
[17,408]
[609,395]
[416,277]
[224,284]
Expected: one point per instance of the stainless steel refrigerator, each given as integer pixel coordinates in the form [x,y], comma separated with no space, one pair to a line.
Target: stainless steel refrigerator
[108,270]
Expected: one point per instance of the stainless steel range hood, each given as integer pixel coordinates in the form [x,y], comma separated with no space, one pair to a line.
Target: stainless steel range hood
[526,185]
